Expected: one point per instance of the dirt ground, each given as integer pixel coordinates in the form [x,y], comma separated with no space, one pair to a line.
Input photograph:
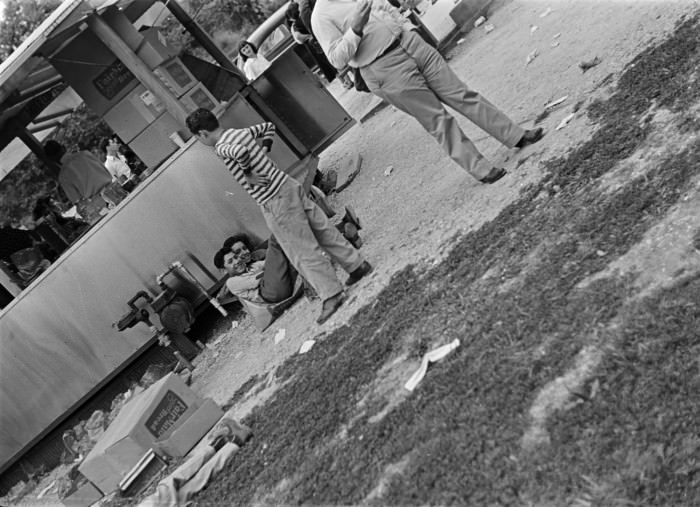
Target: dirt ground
[335,426]
[412,216]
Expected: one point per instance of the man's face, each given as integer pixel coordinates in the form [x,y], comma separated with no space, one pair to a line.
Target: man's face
[112,147]
[206,137]
[237,260]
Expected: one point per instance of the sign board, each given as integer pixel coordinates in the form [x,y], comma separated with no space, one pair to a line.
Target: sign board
[113,79]
[165,414]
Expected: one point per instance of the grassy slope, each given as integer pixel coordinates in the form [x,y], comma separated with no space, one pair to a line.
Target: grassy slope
[462,429]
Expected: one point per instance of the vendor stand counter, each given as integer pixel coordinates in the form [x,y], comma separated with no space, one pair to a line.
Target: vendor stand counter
[58,343]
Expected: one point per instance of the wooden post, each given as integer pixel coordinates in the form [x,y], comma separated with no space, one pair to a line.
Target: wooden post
[132,62]
[203,38]
[35,145]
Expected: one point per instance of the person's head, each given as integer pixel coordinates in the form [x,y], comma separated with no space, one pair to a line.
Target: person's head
[234,256]
[247,50]
[54,150]
[204,126]
[109,146]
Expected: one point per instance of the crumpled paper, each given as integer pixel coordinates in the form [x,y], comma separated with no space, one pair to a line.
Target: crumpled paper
[430,357]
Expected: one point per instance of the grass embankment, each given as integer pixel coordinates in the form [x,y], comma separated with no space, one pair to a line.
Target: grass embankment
[458,437]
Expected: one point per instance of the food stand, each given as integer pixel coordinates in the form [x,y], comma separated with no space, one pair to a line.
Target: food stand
[59,347]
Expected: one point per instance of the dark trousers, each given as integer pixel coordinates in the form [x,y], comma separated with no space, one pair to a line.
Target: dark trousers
[277,283]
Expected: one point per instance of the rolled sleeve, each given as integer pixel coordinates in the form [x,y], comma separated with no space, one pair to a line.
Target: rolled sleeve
[338,46]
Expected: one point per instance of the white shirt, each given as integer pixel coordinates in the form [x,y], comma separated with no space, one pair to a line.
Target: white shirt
[253,67]
[117,167]
[330,23]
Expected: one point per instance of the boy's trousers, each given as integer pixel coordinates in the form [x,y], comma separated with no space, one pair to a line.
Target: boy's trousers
[304,232]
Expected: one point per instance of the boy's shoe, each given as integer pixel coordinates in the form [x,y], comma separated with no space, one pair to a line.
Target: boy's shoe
[350,233]
[494,175]
[351,217]
[359,273]
[530,137]
[330,306]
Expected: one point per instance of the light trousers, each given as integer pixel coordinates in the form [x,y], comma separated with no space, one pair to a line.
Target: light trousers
[304,233]
[416,79]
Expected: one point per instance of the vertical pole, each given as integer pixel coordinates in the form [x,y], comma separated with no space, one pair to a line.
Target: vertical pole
[203,38]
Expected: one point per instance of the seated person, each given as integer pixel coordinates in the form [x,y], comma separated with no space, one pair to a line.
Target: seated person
[114,161]
[254,63]
[21,254]
[82,174]
[260,276]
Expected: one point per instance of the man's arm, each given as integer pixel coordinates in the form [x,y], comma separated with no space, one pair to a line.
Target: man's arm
[340,46]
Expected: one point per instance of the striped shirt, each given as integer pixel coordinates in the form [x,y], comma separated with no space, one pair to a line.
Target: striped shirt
[239,151]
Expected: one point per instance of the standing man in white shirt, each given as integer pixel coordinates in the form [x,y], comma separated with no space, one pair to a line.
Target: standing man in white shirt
[114,161]
[401,68]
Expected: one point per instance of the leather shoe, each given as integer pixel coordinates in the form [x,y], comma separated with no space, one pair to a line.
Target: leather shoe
[351,217]
[359,273]
[494,175]
[530,137]
[330,306]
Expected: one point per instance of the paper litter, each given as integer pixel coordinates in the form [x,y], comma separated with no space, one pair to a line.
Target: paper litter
[429,357]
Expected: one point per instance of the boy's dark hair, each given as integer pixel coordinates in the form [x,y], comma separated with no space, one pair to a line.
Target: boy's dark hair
[243,238]
[219,257]
[54,150]
[201,119]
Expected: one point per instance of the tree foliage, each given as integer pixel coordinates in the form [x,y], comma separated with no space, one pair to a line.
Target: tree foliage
[20,18]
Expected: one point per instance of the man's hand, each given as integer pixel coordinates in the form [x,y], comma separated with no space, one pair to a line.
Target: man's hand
[257,179]
[361,16]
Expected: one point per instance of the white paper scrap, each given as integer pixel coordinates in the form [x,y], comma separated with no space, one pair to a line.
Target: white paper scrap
[565,121]
[546,13]
[429,357]
[306,346]
[281,335]
[556,102]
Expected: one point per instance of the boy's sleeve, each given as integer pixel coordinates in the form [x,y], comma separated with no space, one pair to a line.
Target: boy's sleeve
[237,153]
[264,131]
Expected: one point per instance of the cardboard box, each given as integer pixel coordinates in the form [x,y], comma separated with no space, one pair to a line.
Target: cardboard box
[85,495]
[151,416]
[192,430]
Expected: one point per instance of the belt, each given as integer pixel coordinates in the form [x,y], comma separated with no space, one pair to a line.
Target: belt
[392,46]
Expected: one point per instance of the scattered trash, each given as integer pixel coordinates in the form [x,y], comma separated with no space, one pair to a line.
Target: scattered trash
[389,170]
[601,253]
[595,386]
[533,54]
[565,121]
[546,12]
[489,28]
[281,335]
[306,346]
[480,21]
[554,44]
[584,66]
[556,102]
[556,35]
[234,324]
[533,29]
[218,340]
[461,40]
[46,490]
[429,357]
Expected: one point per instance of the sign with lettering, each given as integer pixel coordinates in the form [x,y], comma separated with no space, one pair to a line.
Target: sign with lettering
[166,414]
[113,79]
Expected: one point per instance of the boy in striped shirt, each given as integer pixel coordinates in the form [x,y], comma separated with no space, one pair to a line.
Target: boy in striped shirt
[300,227]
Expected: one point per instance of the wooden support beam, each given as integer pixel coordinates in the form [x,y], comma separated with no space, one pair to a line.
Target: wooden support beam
[35,145]
[132,62]
[203,38]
